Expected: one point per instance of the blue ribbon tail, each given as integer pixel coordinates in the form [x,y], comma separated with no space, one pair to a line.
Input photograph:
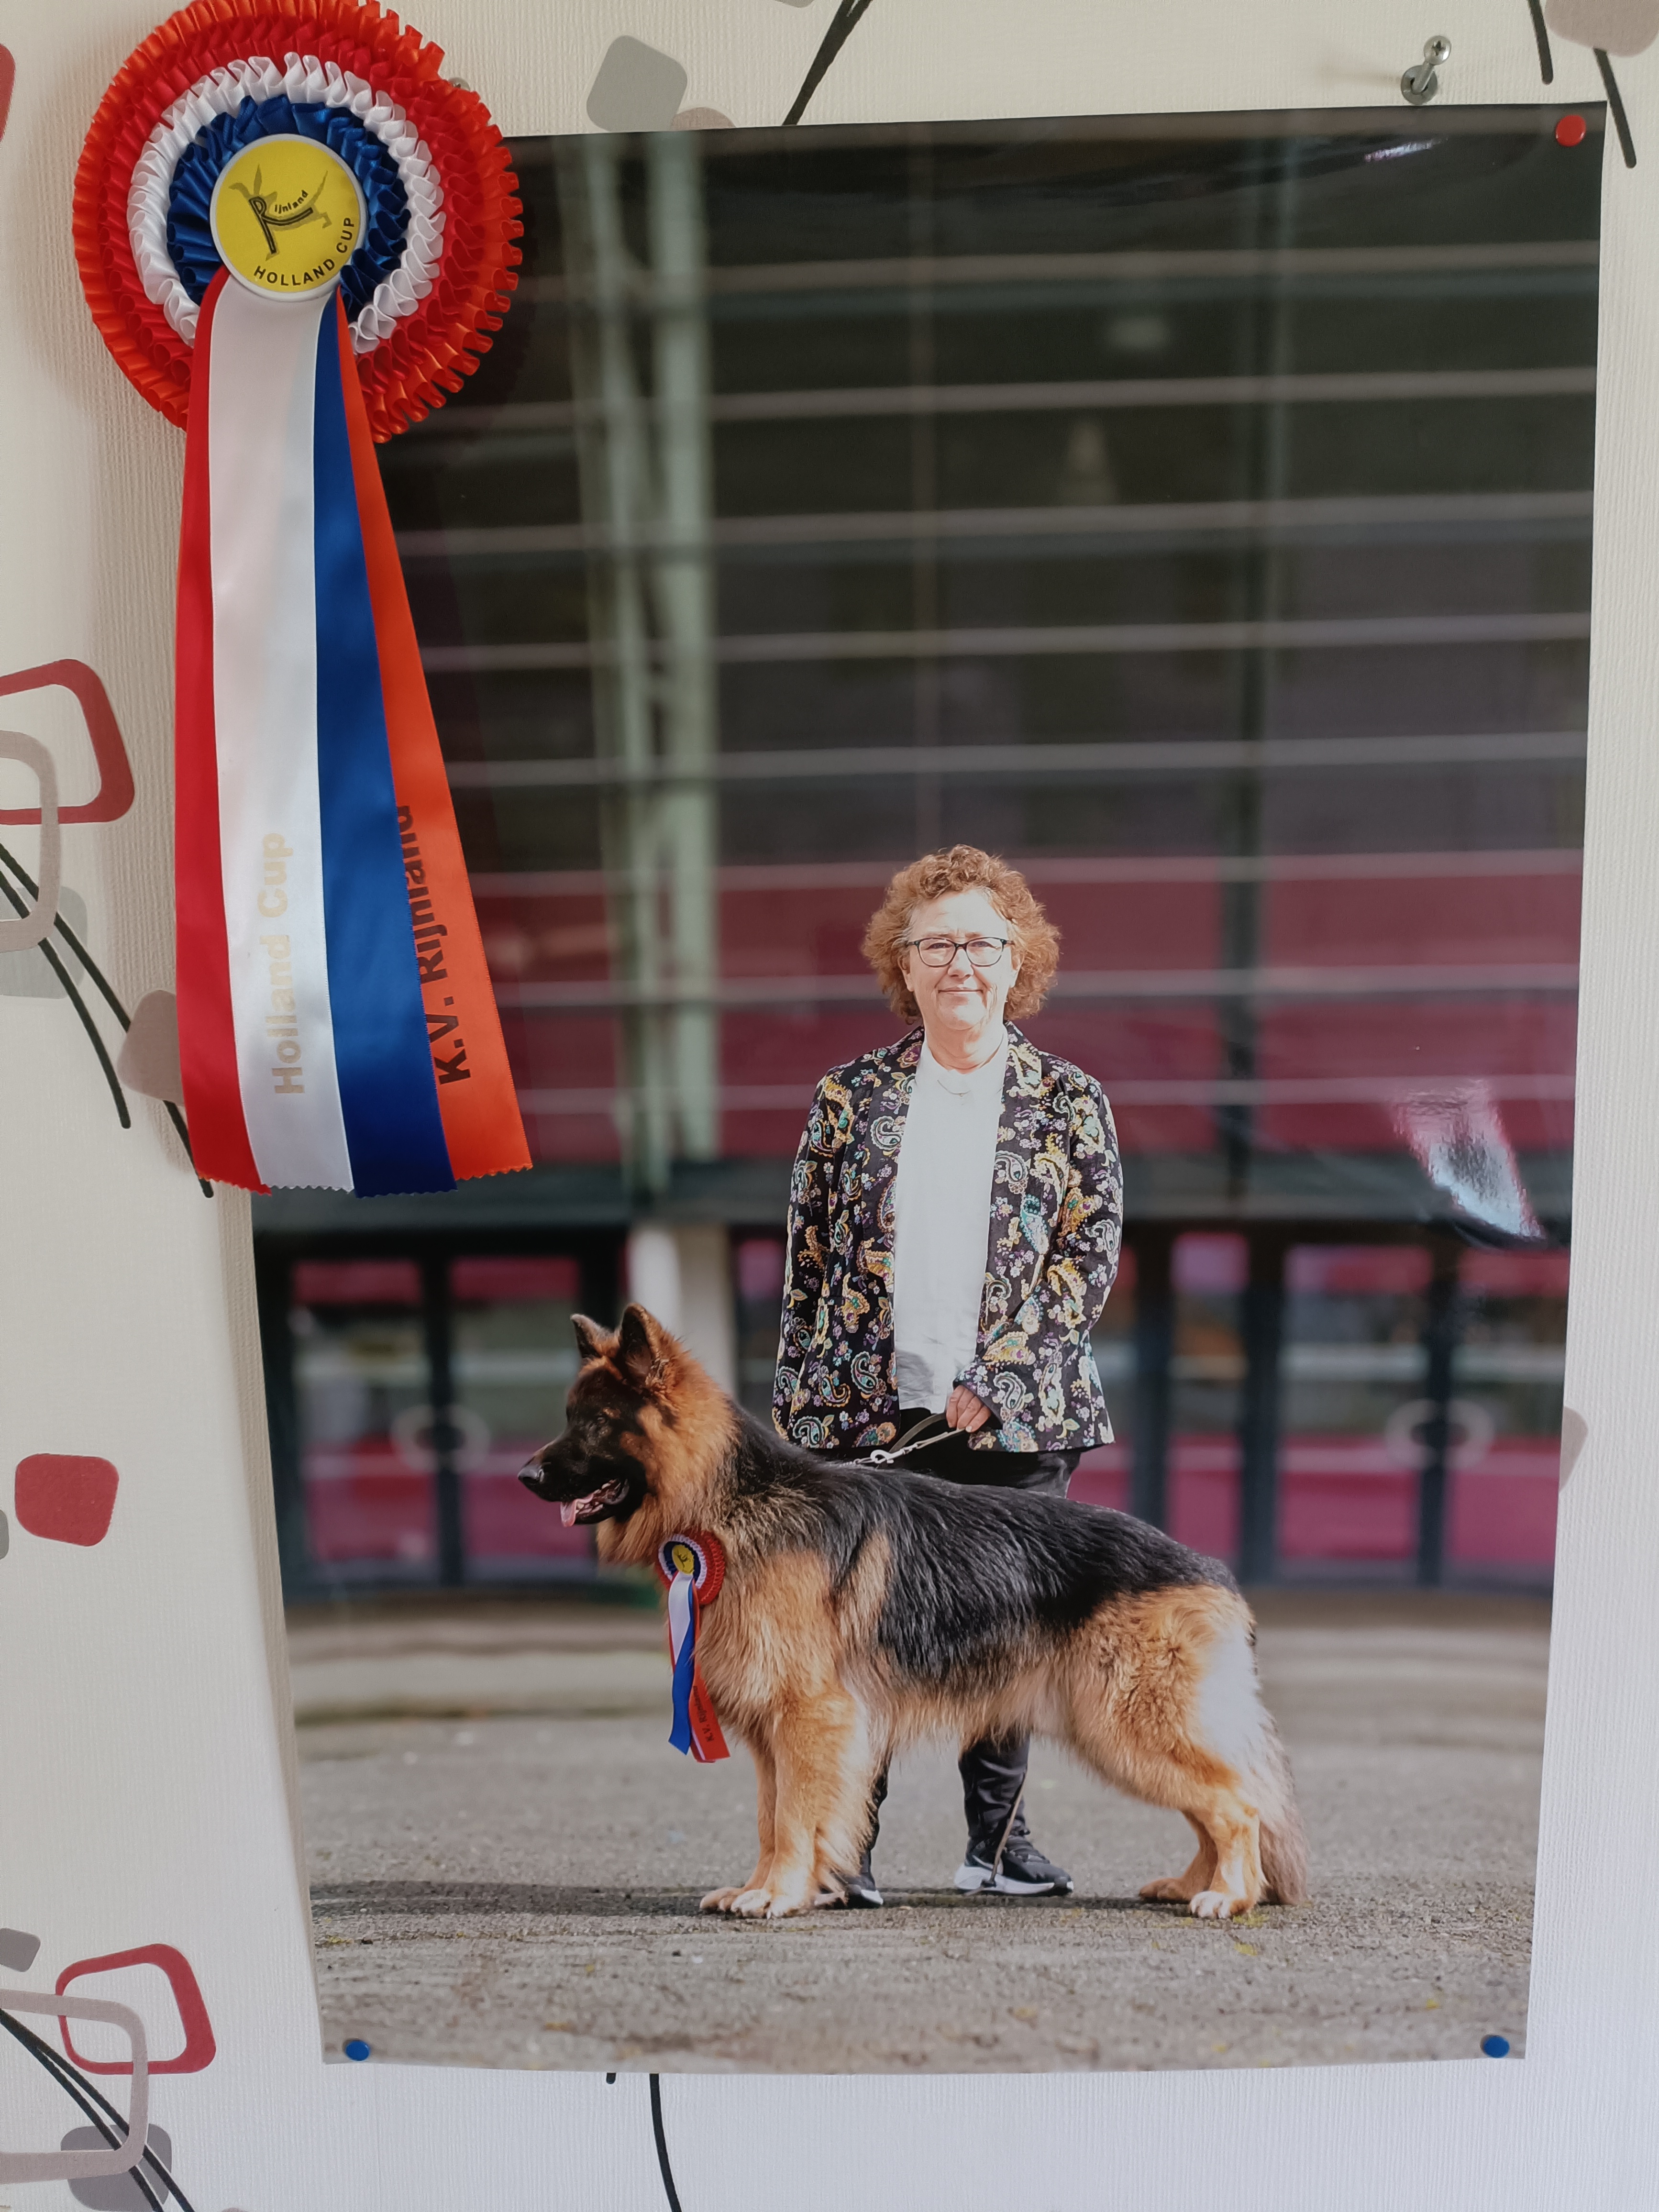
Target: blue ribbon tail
[388,1091]
[686,1668]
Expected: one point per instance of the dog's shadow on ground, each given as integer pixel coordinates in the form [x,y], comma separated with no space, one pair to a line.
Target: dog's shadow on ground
[426,1900]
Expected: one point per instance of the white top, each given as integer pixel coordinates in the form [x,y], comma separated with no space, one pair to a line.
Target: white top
[942,1226]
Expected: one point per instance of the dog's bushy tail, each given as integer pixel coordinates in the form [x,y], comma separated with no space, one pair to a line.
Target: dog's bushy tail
[1284,1844]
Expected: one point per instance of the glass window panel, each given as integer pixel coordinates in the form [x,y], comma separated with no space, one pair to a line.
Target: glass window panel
[1102,1477]
[1507,1433]
[1353,1406]
[514,1359]
[364,1397]
[1115,1344]
[1206,1384]
[757,1266]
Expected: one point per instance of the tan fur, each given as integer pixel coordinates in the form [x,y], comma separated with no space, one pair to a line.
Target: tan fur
[1156,1692]
[773,1658]
[1137,1676]
[681,1453]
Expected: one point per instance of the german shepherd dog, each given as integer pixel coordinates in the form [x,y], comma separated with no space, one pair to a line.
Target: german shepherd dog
[865,1608]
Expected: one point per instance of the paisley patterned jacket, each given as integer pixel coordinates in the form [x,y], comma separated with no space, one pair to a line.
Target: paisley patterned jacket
[1055,1232]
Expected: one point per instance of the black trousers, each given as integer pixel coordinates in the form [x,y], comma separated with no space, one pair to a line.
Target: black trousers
[992,1770]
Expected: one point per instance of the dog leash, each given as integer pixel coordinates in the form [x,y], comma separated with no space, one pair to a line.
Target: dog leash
[1007,1831]
[913,1439]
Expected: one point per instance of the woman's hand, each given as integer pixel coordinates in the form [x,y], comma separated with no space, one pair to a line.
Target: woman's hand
[964,1411]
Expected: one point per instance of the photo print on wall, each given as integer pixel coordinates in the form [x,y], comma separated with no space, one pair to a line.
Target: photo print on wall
[1195,512]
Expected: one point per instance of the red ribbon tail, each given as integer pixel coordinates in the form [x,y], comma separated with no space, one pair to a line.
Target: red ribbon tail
[706,1742]
[477,1095]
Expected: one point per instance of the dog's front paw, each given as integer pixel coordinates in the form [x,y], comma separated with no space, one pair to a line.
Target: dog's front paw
[719,1900]
[1171,1890]
[768,1903]
[784,1902]
[1216,1905]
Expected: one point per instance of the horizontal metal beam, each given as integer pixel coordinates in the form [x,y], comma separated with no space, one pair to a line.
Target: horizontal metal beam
[765,878]
[1370,126]
[1130,757]
[1173,518]
[1046,639]
[1540,978]
[1364,387]
[1156,1091]
[938,272]
[1105,394]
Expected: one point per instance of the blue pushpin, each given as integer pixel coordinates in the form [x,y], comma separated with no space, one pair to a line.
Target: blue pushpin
[1495,2046]
[358,2049]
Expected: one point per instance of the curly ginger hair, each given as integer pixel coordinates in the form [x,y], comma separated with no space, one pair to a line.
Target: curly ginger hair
[964,868]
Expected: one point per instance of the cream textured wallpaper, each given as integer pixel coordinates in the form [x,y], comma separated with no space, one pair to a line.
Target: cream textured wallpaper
[146,1770]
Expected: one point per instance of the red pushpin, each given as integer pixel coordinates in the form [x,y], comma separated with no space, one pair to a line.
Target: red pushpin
[1570,130]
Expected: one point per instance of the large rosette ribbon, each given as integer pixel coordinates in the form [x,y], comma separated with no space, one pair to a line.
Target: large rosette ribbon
[295,258]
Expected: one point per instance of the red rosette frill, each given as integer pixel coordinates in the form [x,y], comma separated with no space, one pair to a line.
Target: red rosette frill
[708,1587]
[425,358]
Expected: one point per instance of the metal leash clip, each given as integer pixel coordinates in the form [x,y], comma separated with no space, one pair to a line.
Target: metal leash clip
[916,1439]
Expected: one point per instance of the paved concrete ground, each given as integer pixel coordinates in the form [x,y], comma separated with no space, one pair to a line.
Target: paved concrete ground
[505,1857]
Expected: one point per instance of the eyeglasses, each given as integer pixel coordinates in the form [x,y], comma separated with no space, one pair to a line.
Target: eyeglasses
[940,951]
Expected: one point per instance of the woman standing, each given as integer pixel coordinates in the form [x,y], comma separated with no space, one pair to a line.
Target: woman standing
[955,1219]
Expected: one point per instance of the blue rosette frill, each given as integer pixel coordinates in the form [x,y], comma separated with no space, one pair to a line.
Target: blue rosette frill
[385,228]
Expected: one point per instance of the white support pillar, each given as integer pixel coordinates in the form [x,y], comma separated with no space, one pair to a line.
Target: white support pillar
[684,578]
[614,461]
[681,1274]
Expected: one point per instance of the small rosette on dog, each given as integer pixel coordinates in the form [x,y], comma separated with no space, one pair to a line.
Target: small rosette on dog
[693,1567]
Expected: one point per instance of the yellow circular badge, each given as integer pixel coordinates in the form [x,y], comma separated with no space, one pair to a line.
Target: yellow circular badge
[685,1559]
[286,216]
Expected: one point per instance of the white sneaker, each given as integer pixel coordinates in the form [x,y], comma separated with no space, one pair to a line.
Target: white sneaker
[1021,1873]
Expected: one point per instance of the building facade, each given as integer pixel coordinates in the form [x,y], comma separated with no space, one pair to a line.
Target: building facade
[1198,515]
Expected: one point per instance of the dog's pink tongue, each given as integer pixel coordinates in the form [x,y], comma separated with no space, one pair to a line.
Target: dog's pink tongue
[568,1508]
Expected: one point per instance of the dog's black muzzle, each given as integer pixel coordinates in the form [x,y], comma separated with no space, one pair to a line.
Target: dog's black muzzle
[584,1489]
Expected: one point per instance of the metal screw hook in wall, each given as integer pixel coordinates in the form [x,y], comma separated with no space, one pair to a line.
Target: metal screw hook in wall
[1420,82]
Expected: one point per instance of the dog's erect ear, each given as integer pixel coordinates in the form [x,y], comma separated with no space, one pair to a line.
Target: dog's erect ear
[643,1347]
[592,1341]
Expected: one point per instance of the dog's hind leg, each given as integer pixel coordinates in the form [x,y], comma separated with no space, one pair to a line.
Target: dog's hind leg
[1224,1877]
[1182,1888]
[766,1790]
[1163,1703]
